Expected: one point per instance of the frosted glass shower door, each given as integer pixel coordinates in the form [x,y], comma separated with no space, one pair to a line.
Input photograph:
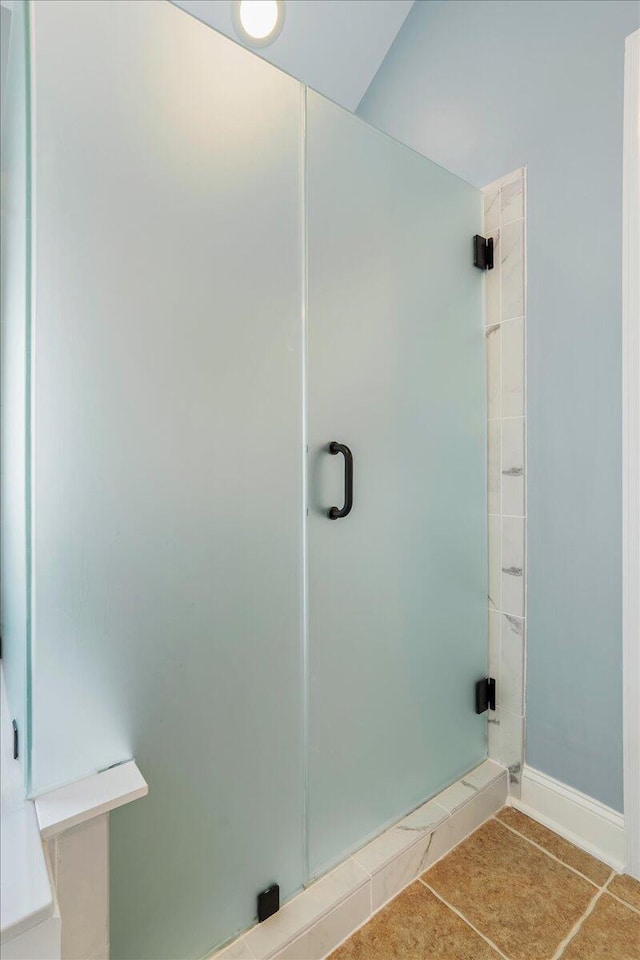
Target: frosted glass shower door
[168,458]
[15,285]
[397,588]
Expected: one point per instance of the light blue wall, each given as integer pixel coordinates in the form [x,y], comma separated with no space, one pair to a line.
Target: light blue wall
[483,88]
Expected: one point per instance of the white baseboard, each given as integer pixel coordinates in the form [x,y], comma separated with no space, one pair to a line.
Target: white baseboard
[586,822]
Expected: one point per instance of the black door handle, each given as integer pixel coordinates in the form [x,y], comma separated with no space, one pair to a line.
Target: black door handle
[335,512]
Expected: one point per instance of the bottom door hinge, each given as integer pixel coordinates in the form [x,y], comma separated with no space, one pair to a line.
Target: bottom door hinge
[268,902]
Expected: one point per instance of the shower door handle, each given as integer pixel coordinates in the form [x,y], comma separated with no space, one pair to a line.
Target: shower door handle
[334,513]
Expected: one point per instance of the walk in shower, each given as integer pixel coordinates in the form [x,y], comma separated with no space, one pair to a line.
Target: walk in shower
[221,273]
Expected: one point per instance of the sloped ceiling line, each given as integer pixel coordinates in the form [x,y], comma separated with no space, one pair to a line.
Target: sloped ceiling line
[335,46]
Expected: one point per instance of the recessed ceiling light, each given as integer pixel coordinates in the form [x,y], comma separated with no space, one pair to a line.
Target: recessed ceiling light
[258,22]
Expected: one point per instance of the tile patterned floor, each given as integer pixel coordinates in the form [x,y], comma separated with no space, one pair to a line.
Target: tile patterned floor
[512,890]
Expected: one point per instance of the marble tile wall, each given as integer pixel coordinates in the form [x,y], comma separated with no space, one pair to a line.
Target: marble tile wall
[505,326]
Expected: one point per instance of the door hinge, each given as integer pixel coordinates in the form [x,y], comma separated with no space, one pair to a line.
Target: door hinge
[485,695]
[268,902]
[15,739]
[483,252]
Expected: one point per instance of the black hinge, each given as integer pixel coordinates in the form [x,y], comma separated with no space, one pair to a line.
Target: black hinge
[483,252]
[15,739]
[268,902]
[485,695]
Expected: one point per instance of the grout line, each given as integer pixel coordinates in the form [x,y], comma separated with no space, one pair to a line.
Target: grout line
[424,870]
[464,919]
[505,181]
[394,896]
[605,886]
[495,322]
[577,926]
[324,914]
[510,713]
[357,929]
[417,876]
[620,900]
[557,859]
[509,222]
[498,323]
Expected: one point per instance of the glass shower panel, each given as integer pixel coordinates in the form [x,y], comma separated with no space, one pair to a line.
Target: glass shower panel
[397,588]
[14,378]
[168,458]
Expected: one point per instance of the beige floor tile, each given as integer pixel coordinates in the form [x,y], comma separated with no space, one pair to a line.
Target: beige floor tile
[627,889]
[610,932]
[591,868]
[513,893]
[415,926]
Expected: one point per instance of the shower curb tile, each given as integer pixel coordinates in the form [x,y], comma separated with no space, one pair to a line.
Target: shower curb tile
[468,786]
[426,818]
[484,775]
[405,834]
[402,871]
[305,909]
[238,950]
[329,932]
[318,919]
[490,800]
[456,796]
[393,878]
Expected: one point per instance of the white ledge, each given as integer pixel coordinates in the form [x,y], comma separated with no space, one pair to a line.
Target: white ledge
[90,797]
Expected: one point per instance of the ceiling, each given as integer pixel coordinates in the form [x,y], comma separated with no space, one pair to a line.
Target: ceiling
[335,46]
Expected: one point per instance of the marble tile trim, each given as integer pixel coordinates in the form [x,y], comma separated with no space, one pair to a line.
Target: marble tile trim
[505,218]
[316,921]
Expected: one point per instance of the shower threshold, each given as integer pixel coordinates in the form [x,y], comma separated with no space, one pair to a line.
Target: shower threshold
[313,923]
